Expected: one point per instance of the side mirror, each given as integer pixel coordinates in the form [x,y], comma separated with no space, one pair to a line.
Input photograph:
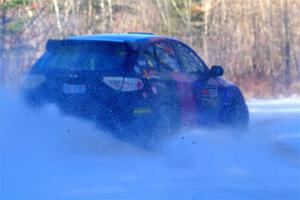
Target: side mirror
[216,71]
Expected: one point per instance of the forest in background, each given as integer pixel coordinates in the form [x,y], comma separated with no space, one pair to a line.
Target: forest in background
[257,41]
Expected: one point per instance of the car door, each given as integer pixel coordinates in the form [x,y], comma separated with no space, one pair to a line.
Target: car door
[161,63]
[191,68]
[201,90]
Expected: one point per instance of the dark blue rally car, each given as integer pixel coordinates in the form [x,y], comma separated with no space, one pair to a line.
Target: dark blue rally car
[136,81]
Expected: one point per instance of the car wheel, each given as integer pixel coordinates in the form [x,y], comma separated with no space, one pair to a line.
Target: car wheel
[236,114]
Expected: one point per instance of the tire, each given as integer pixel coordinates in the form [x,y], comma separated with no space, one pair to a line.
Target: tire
[163,121]
[236,114]
[143,130]
[240,114]
[134,129]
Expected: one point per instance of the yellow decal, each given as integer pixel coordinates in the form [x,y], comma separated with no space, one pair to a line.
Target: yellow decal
[142,110]
[146,74]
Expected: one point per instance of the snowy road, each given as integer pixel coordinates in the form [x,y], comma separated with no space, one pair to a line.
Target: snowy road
[46,155]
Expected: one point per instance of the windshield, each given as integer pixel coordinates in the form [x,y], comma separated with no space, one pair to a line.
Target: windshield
[84,56]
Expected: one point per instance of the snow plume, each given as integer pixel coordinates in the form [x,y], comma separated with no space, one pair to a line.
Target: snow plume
[46,155]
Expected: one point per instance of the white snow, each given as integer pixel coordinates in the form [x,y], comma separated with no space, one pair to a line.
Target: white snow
[45,155]
[283,105]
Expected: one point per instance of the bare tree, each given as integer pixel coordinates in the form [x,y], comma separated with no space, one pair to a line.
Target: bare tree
[256,41]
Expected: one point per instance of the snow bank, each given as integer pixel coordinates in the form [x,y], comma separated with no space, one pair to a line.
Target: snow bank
[46,155]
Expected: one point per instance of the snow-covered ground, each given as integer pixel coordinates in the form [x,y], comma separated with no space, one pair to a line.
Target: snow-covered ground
[45,155]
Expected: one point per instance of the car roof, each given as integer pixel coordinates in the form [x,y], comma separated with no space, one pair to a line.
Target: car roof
[122,37]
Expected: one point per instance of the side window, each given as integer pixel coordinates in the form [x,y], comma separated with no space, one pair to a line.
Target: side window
[167,58]
[190,61]
[150,58]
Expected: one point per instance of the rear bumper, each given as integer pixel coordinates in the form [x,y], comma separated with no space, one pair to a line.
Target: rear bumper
[121,108]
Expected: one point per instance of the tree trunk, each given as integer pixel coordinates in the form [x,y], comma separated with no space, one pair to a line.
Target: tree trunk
[287,45]
[2,44]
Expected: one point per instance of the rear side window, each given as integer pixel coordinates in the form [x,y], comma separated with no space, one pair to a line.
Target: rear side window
[167,57]
[85,56]
[150,58]
[190,61]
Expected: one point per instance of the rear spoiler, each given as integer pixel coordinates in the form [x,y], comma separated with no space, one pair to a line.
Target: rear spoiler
[56,44]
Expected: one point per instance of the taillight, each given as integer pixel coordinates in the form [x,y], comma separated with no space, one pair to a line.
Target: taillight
[33,80]
[113,82]
[124,84]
